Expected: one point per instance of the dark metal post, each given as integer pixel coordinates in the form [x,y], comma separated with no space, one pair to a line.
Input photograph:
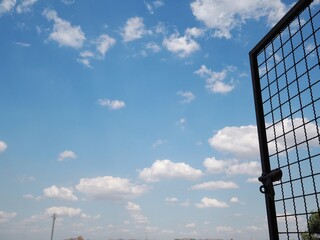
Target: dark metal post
[54,216]
[264,153]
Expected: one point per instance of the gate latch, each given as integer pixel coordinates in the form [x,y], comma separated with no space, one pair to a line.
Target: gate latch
[267,179]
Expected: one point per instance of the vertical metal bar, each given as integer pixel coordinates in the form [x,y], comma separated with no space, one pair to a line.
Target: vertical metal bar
[264,153]
[53,220]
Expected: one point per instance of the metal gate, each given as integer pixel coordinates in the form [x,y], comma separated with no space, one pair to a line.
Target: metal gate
[285,68]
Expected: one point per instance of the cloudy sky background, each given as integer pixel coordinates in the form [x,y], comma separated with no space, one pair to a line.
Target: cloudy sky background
[130,119]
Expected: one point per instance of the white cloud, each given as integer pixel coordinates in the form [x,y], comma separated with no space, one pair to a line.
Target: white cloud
[62,193]
[182,122]
[234,200]
[190,225]
[153,47]
[29,196]
[241,141]
[67,154]
[224,229]
[133,207]
[68,2]
[215,166]
[7,6]
[215,81]
[171,199]
[154,5]
[295,134]
[7,216]
[252,168]
[159,142]
[253,180]
[104,43]
[315,2]
[165,169]
[110,188]
[188,96]
[111,104]
[134,29]
[3,146]
[181,45]
[22,44]
[253,228]
[214,185]
[63,32]
[211,202]
[226,15]
[194,32]
[160,28]
[86,54]
[232,167]
[63,211]
[220,87]
[25,6]
[136,213]
[85,62]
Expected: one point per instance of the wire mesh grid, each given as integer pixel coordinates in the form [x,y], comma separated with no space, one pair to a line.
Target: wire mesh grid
[289,75]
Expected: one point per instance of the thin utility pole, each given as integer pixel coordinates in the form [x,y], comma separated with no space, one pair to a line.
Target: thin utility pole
[54,216]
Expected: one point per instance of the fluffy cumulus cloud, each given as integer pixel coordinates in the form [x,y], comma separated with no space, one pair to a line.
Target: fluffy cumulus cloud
[251,168]
[62,193]
[63,211]
[7,6]
[110,188]
[134,29]
[216,166]
[25,6]
[63,32]
[7,216]
[223,16]
[111,104]
[165,169]
[216,81]
[211,203]
[136,213]
[181,45]
[232,167]
[3,146]
[187,97]
[67,154]
[214,185]
[241,142]
[290,132]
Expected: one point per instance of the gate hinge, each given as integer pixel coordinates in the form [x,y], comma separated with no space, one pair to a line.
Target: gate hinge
[267,179]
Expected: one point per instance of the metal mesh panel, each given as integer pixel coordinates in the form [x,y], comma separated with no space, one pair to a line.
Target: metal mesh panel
[288,71]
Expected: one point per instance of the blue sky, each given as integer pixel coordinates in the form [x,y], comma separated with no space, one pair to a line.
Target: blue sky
[130,118]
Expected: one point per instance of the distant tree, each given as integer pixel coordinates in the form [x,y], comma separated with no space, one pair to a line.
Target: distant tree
[314,227]
[80,238]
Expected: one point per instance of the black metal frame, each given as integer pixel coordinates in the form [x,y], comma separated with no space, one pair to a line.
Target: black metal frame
[285,71]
